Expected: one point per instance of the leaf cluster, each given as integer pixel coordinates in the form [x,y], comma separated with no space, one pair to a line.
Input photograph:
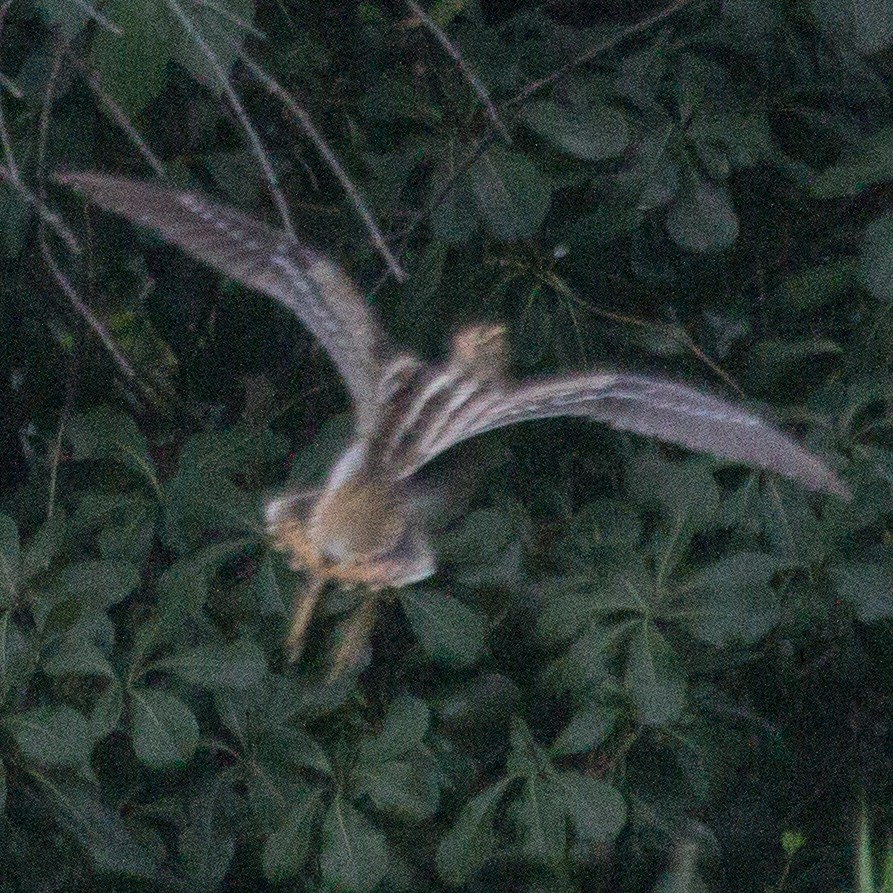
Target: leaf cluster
[636,669]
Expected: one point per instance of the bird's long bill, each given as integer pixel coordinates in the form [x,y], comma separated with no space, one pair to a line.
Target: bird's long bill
[302,613]
[354,637]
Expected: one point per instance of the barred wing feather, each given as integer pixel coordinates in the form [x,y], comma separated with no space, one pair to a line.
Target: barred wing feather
[264,259]
[648,406]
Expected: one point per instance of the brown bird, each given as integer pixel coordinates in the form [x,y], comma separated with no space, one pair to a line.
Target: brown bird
[362,526]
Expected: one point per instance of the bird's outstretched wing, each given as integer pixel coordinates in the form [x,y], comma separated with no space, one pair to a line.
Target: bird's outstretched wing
[644,405]
[264,259]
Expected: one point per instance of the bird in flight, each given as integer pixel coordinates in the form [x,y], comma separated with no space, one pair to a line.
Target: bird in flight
[362,526]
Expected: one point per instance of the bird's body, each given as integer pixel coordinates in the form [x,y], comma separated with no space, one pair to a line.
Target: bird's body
[362,526]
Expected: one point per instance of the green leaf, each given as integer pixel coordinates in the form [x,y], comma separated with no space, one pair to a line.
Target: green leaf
[163,728]
[16,655]
[53,736]
[68,18]
[313,463]
[877,258]
[868,586]
[107,709]
[267,589]
[526,756]
[78,657]
[449,632]
[3,788]
[453,219]
[206,843]
[100,831]
[121,521]
[354,856]
[815,286]
[584,669]
[133,65]
[10,562]
[482,535]
[95,585]
[792,842]
[43,547]
[653,677]
[403,731]
[703,218]
[408,790]
[873,164]
[202,496]
[689,498]
[540,816]
[868,24]
[775,352]
[587,729]
[221,29]
[444,11]
[238,665]
[105,433]
[512,194]
[792,526]
[593,133]
[596,809]
[286,849]
[469,842]
[183,587]
[731,599]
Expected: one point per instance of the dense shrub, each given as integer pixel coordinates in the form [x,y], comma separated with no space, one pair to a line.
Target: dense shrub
[637,669]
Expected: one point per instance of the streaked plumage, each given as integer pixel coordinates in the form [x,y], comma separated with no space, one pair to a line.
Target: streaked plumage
[361,527]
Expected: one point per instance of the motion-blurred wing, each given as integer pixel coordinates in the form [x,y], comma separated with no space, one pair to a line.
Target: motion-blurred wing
[641,404]
[264,259]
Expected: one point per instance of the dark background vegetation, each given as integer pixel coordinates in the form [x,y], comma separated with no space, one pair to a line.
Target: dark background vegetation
[637,669]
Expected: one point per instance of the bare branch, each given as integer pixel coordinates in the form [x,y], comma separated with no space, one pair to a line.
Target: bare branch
[229,17]
[117,114]
[533,87]
[98,17]
[590,54]
[51,218]
[10,86]
[239,110]
[463,167]
[306,124]
[5,141]
[84,311]
[64,415]
[453,52]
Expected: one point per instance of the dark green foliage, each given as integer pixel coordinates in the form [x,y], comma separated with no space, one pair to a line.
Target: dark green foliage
[637,669]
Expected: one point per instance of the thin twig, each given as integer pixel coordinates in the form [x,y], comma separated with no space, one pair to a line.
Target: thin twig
[116,113]
[607,44]
[306,124]
[6,142]
[229,17]
[51,218]
[64,415]
[86,313]
[453,52]
[433,204]
[239,110]
[10,171]
[677,332]
[46,111]
[533,87]
[11,86]
[98,17]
